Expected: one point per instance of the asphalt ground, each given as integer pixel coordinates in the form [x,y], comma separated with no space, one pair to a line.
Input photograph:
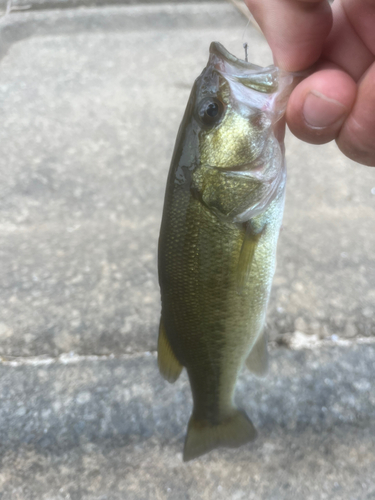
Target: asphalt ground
[90,103]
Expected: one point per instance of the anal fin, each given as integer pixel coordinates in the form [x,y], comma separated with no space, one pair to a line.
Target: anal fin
[169,367]
[257,361]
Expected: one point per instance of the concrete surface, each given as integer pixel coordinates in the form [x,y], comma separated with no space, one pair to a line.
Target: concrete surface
[90,103]
[113,429]
[89,119]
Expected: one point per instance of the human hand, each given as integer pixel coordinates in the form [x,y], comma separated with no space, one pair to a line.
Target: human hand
[338,100]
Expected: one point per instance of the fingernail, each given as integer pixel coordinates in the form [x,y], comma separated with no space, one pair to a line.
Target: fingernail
[320,111]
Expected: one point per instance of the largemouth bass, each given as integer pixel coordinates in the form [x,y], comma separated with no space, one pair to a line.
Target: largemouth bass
[217,247]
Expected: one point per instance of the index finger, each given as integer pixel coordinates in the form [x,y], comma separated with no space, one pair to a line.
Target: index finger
[295,29]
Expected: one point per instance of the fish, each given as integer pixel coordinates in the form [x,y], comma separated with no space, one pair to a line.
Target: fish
[221,220]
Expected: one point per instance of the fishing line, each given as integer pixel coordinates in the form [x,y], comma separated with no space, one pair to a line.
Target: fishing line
[245,44]
[244,31]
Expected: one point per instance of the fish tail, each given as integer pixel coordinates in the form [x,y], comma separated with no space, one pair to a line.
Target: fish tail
[203,437]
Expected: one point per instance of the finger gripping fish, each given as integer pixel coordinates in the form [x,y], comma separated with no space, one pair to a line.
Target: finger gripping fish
[217,247]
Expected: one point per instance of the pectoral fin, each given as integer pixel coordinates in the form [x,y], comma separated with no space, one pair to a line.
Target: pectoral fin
[249,245]
[257,361]
[169,367]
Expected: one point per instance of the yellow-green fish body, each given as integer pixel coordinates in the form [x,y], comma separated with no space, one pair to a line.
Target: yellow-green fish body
[222,215]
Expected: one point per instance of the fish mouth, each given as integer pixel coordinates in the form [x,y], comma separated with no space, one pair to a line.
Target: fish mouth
[263,80]
[218,50]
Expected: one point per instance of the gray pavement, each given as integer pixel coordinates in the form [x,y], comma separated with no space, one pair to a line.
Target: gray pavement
[90,104]
[113,429]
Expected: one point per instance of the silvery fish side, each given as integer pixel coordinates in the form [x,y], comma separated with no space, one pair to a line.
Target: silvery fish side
[222,215]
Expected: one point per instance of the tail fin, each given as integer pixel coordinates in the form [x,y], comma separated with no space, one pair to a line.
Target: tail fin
[203,437]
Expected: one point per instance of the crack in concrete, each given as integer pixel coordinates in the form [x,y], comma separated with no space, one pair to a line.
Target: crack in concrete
[68,358]
[297,342]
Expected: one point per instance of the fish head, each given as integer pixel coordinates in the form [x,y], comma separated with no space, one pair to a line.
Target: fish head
[236,106]
[229,151]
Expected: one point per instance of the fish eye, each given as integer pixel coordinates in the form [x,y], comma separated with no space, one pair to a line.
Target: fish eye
[210,111]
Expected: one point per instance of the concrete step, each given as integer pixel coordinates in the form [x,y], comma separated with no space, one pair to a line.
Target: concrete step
[86,428]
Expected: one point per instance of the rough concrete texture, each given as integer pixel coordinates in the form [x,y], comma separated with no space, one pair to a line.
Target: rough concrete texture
[90,103]
[89,118]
